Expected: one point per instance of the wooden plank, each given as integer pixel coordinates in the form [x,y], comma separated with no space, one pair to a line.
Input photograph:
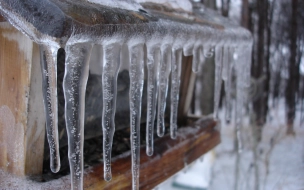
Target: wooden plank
[18,137]
[170,157]
[35,132]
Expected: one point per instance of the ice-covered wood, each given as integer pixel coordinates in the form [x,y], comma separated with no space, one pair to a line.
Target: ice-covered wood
[21,125]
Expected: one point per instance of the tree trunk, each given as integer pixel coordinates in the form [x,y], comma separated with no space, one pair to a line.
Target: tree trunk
[261,65]
[292,82]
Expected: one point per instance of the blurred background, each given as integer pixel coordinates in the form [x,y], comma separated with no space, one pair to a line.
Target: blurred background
[272,151]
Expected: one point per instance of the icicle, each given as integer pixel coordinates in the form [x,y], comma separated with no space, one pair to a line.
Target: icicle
[227,77]
[164,72]
[175,85]
[242,75]
[111,64]
[218,78]
[153,61]
[74,85]
[136,88]
[196,59]
[49,84]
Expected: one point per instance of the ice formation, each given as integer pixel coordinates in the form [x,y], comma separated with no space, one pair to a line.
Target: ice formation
[160,39]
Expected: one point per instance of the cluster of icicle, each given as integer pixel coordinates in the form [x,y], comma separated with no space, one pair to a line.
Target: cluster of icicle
[164,42]
[161,61]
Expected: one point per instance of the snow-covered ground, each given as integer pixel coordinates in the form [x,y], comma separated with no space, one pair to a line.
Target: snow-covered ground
[274,163]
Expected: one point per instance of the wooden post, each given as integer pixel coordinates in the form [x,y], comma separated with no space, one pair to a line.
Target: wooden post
[21,109]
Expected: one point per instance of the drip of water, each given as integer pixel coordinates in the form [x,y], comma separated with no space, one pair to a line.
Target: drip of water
[111,64]
[74,85]
[175,85]
[136,88]
[49,85]
[164,72]
[153,62]
[218,78]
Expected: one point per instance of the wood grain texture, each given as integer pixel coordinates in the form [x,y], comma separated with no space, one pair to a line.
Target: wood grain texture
[170,156]
[17,134]
[35,132]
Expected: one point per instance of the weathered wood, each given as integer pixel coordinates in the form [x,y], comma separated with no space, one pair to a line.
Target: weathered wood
[35,133]
[20,140]
[170,157]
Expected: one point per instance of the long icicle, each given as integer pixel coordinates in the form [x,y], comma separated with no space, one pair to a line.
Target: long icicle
[175,85]
[49,85]
[153,60]
[227,77]
[111,64]
[240,94]
[74,85]
[136,89]
[218,78]
[165,68]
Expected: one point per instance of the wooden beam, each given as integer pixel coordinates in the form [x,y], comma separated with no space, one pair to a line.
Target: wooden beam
[21,140]
[170,157]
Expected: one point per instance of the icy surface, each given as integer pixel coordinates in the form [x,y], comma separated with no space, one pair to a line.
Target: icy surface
[111,63]
[136,89]
[185,5]
[74,85]
[49,86]
[126,4]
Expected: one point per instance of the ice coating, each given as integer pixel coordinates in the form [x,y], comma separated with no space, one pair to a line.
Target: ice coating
[218,78]
[153,62]
[111,64]
[164,71]
[126,4]
[49,85]
[136,88]
[185,5]
[74,85]
[175,85]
